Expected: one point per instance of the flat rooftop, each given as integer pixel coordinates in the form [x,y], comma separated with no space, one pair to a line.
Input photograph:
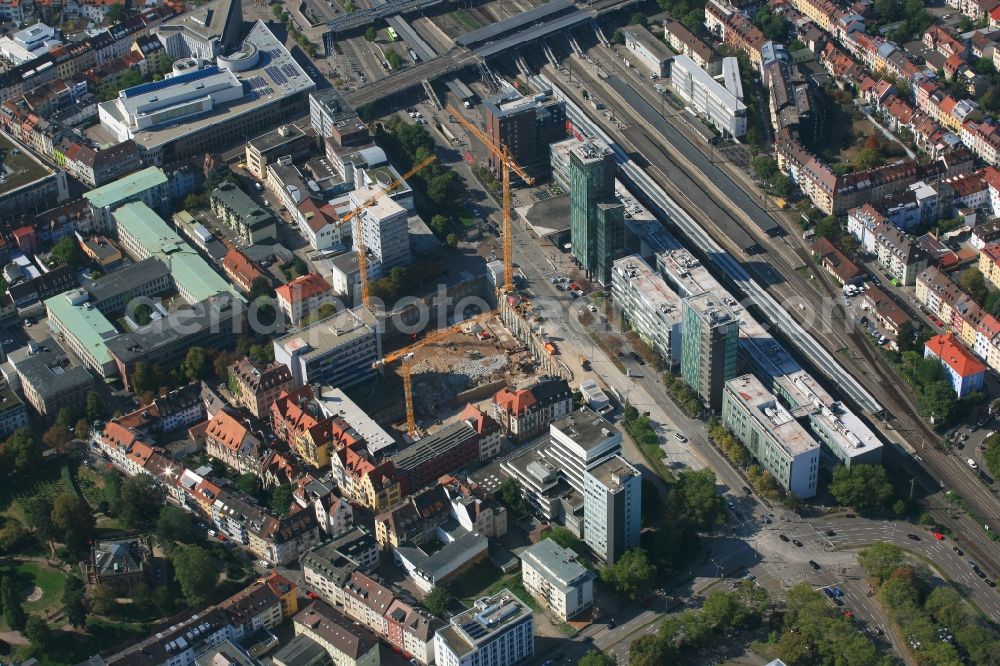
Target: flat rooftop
[335,402]
[613,472]
[649,287]
[711,309]
[125,279]
[648,41]
[559,565]
[586,428]
[478,624]
[338,329]
[769,413]
[24,167]
[84,322]
[276,77]
[125,187]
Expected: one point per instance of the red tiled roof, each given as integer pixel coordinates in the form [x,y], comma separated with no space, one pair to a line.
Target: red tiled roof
[302,288]
[955,355]
[516,402]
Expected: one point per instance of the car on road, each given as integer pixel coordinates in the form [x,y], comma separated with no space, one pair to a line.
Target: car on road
[783,538]
[938,536]
[747,490]
[815,566]
[211,533]
[798,544]
[831,533]
[312,595]
[972,463]
[913,537]
[8,341]
[958,551]
[265,564]
[989,581]
[680,438]
[979,572]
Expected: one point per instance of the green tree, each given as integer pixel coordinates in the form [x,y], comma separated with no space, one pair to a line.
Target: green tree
[566,539]
[937,401]
[828,227]
[863,487]
[452,240]
[196,571]
[116,13]
[974,284]
[880,559]
[764,166]
[141,499]
[371,34]
[992,454]
[10,598]
[73,520]
[176,525]
[38,514]
[57,438]
[281,499]
[618,37]
[781,185]
[67,251]
[701,504]
[638,19]
[195,365]
[438,600]
[392,57]
[38,633]
[73,602]
[631,576]
[260,286]
[647,651]
[66,417]
[439,224]
[866,159]
[512,497]
[596,658]
[22,452]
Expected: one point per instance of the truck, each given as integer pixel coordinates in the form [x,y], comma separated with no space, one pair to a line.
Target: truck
[551,348]
[596,398]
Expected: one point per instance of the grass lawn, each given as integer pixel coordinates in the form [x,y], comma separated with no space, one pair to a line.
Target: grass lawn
[484,580]
[466,218]
[28,575]
[18,163]
[46,481]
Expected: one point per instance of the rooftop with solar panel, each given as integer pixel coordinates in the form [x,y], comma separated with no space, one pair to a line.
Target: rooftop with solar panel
[488,617]
[204,90]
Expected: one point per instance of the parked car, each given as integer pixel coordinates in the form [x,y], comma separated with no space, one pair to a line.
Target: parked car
[814,565]
[972,463]
[913,537]
[938,536]
[783,538]
[798,544]
[958,551]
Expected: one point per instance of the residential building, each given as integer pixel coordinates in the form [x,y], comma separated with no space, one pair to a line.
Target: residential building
[369,483]
[597,219]
[964,371]
[256,386]
[412,630]
[707,97]
[498,630]
[415,520]
[650,50]
[250,221]
[441,452]
[526,412]
[338,350]
[526,126]
[772,435]
[901,258]
[487,430]
[649,306]
[554,577]
[473,513]
[333,513]
[319,224]
[285,141]
[121,564]
[709,346]
[303,297]
[229,440]
[49,382]
[13,413]
[102,252]
[328,567]
[836,263]
[612,492]
[241,271]
[367,602]
[682,41]
[333,118]
[298,420]
[346,643]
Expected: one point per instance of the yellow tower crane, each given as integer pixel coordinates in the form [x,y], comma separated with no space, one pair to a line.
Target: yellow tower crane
[406,354]
[507,164]
[358,232]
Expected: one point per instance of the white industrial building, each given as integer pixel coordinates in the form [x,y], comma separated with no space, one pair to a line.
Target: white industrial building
[708,97]
[650,49]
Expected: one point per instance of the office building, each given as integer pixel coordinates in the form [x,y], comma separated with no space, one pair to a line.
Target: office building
[249,220]
[651,51]
[333,118]
[49,382]
[205,105]
[83,329]
[597,219]
[773,437]
[383,228]
[144,279]
[496,631]
[285,141]
[707,97]
[612,495]
[554,577]
[649,306]
[456,551]
[709,346]
[439,453]
[338,350]
[526,126]
[148,186]
[207,31]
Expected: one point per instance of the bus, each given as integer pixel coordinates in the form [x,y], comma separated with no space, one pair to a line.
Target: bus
[392,34]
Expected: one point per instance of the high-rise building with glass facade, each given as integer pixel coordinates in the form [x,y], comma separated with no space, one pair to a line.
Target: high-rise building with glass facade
[709,346]
[597,219]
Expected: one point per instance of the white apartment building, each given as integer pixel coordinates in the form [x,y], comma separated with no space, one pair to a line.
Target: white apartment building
[900,257]
[384,230]
[708,97]
[553,576]
[612,498]
[652,309]
[496,631]
[772,435]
